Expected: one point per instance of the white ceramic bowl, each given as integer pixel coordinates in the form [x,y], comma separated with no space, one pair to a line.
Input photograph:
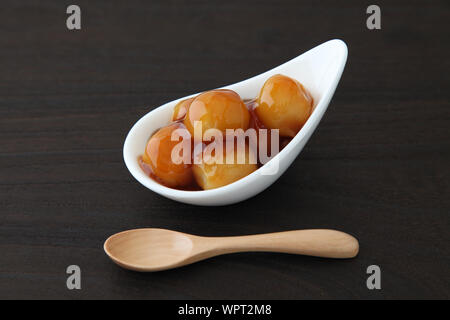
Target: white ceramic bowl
[319,70]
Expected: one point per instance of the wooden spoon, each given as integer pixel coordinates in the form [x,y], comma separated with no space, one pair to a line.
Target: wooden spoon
[148,250]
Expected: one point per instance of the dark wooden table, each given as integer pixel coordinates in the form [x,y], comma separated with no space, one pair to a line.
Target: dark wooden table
[377,167]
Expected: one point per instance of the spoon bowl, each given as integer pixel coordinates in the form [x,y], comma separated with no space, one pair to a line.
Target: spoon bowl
[151,249]
[154,249]
[318,69]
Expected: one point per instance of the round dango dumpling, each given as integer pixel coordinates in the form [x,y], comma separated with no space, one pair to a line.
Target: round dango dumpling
[180,110]
[283,104]
[219,109]
[210,174]
[158,155]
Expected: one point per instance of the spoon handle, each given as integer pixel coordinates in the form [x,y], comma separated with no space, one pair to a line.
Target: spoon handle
[315,242]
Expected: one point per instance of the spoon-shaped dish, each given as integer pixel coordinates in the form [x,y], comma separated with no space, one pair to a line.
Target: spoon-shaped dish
[150,249]
[319,70]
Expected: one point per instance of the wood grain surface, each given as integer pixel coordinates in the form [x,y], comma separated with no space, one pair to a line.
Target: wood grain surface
[377,167]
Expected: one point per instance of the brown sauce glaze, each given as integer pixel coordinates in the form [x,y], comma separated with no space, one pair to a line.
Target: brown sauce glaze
[148,171]
[282,104]
[255,123]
